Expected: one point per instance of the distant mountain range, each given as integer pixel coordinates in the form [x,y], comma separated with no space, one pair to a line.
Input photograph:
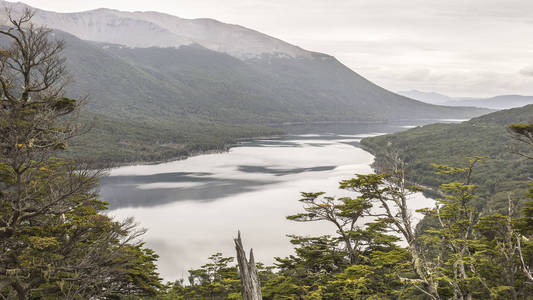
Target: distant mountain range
[498,102]
[164,71]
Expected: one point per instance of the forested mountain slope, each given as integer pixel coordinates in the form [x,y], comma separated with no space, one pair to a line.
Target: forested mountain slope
[192,82]
[109,141]
[191,87]
[501,172]
[203,77]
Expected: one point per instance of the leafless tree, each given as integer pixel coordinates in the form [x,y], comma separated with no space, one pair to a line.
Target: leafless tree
[250,285]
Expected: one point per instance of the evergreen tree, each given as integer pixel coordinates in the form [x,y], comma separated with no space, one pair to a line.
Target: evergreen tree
[54,242]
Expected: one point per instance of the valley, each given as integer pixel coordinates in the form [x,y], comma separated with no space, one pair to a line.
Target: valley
[203,93]
[251,188]
[149,156]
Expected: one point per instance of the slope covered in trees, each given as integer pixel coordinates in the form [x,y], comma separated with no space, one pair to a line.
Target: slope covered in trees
[194,83]
[110,141]
[203,90]
[207,100]
[154,104]
[501,172]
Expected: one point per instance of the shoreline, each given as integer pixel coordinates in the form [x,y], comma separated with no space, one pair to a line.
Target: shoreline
[227,147]
[241,140]
[193,154]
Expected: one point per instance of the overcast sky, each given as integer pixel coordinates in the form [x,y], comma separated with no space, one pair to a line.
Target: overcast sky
[455,47]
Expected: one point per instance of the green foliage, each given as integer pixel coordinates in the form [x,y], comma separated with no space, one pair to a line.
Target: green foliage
[112,140]
[522,129]
[214,280]
[54,241]
[525,224]
[468,253]
[163,103]
[449,144]
[360,262]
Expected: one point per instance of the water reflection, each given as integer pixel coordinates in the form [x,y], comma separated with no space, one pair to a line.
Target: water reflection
[136,191]
[282,172]
[193,208]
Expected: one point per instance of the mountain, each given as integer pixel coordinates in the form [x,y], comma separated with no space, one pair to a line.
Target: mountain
[427,97]
[498,102]
[215,72]
[153,70]
[497,175]
[154,29]
[193,82]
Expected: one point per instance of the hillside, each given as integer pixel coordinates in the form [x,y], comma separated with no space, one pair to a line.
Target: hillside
[500,173]
[192,82]
[167,91]
[498,102]
[203,77]
[211,70]
[110,141]
[427,97]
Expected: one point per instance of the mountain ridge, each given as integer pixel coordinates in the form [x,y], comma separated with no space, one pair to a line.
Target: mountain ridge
[495,102]
[165,30]
[287,87]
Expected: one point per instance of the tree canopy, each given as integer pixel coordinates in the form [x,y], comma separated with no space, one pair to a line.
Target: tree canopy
[54,240]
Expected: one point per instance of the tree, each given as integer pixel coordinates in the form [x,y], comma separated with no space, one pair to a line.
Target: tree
[391,191]
[499,254]
[316,261]
[362,260]
[377,275]
[250,284]
[214,280]
[457,219]
[53,240]
[343,213]
[523,133]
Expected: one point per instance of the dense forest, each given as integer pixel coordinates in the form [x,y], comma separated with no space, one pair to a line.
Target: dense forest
[110,141]
[57,243]
[501,172]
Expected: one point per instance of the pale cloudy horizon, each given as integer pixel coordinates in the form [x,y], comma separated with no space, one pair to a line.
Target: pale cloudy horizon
[478,49]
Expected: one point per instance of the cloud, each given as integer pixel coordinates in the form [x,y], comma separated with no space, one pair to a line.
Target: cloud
[527,71]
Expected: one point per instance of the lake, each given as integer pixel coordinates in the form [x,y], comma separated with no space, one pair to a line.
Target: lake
[193,208]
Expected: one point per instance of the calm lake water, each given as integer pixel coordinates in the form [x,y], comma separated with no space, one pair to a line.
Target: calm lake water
[193,208]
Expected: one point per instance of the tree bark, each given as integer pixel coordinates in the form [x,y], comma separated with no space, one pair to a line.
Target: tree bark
[250,285]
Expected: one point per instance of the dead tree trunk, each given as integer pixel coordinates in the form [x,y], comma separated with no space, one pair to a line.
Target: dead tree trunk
[250,285]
